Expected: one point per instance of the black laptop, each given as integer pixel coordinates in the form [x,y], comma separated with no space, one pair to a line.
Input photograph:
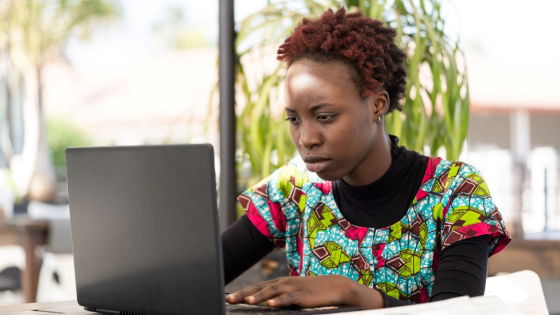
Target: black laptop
[145,232]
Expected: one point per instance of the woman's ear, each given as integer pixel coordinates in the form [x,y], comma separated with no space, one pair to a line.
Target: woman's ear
[380,106]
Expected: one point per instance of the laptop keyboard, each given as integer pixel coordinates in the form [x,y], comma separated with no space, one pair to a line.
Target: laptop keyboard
[255,310]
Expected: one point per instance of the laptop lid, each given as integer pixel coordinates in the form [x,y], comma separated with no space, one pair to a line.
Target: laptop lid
[145,229]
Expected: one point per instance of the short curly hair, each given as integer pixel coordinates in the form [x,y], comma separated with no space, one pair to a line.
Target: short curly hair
[364,43]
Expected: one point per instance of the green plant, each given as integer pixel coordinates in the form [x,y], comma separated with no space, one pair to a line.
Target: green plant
[436,108]
[62,134]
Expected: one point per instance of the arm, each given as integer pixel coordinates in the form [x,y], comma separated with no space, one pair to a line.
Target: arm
[243,246]
[461,271]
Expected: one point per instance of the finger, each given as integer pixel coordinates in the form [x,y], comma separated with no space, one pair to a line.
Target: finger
[285,299]
[268,292]
[239,296]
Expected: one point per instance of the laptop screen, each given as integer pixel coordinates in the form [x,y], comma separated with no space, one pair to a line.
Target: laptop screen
[145,229]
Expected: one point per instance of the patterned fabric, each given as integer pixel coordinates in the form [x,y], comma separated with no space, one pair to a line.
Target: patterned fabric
[297,211]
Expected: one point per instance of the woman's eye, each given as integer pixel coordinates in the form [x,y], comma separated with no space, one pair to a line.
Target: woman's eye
[324,117]
[292,120]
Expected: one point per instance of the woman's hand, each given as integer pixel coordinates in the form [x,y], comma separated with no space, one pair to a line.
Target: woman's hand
[313,291]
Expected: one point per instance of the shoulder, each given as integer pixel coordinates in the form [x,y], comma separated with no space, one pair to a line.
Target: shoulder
[292,176]
[466,209]
[456,177]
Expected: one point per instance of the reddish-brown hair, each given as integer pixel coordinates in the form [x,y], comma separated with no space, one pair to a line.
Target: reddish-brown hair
[364,43]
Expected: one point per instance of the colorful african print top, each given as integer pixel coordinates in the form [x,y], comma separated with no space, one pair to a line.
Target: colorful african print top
[295,209]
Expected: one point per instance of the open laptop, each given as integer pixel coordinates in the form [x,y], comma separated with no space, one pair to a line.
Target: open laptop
[145,232]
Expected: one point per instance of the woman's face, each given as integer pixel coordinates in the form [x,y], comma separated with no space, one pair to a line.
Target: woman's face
[332,127]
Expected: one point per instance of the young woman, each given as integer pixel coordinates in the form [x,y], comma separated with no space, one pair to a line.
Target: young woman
[363,220]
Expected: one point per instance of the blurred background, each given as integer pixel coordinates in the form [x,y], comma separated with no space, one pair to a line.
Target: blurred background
[484,88]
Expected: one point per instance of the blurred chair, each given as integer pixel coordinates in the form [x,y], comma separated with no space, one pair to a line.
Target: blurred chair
[10,279]
[45,211]
[56,278]
[12,262]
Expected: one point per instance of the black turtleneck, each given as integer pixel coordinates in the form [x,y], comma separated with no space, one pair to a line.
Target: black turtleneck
[462,266]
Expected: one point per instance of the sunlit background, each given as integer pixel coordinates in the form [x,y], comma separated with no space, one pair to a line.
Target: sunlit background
[145,74]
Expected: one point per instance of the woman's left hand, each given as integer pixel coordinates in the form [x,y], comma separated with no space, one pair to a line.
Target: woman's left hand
[315,291]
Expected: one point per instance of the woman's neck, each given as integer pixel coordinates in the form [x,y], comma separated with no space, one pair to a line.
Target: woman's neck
[374,165]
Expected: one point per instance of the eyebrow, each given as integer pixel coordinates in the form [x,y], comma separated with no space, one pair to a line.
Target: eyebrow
[319,106]
[313,108]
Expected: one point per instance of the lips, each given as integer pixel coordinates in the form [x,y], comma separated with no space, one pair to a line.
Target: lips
[316,164]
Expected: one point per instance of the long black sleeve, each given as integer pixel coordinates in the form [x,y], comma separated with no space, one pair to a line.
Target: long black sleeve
[461,271]
[243,246]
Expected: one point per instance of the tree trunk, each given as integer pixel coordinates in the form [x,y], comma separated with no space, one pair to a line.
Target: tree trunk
[42,185]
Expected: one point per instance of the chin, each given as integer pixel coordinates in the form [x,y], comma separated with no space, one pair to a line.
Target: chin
[329,176]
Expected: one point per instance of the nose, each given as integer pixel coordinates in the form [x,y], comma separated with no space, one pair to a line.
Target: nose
[308,136]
